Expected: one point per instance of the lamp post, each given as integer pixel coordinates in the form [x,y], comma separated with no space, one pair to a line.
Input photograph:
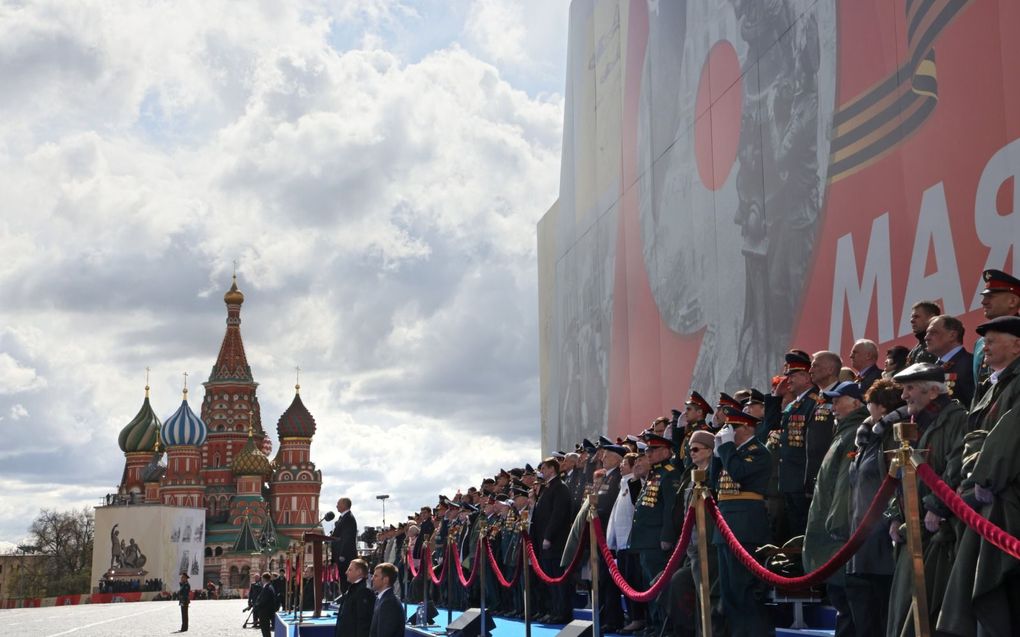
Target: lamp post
[382,498]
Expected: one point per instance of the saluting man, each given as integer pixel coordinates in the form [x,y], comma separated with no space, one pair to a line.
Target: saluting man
[696,410]
[792,425]
[740,478]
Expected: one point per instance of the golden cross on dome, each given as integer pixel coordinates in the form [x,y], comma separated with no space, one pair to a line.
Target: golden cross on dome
[146,382]
[185,385]
[297,379]
[235,268]
[251,427]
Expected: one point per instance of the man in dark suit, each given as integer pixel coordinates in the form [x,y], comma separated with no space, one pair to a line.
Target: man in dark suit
[354,619]
[550,526]
[344,546]
[388,613]
[944,338]
[265,605]
[864,360]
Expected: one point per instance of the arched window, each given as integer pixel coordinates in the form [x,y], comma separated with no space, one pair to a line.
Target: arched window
[219,551]
[208,551]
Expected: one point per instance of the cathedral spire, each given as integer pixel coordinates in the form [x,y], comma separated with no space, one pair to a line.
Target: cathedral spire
[232,363]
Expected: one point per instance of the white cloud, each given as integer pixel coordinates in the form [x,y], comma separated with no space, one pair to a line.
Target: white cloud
[383,213]
[498,27]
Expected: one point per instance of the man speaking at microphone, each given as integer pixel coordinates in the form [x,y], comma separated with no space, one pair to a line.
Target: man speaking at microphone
[344,546]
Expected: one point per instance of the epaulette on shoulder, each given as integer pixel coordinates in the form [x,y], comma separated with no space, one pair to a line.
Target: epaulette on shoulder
[668,467]
[753,446]
[816,397]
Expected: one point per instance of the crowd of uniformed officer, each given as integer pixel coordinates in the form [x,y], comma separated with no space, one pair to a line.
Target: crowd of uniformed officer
[793,471]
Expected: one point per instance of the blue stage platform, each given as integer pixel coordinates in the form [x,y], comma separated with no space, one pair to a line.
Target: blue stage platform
[286,625]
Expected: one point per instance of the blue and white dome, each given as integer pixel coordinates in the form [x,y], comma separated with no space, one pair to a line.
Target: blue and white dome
[183,428]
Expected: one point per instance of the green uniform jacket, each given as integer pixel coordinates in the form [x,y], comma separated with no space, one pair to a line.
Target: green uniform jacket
[943,438]
[975,584]
[654,507]
[828,521]
[574,537]
[793,458]
[742,470]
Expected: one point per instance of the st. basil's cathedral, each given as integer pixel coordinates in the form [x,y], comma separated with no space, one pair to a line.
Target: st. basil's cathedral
[219,461]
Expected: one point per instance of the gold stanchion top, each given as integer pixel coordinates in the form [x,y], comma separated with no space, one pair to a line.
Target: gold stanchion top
[905,433]
[699,475]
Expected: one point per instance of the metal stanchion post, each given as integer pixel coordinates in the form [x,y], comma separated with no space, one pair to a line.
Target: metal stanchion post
[906,432]
[700,492]
[483,557]
[301,593]
[527,587]
[426,554]
[449,577]
[593,548]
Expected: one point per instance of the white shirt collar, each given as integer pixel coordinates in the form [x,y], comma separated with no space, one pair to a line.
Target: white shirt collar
[382,592]
[950,354]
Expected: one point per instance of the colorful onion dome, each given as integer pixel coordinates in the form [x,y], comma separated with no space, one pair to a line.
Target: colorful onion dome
[296,422]
[251,461]
[153,472]
[233,295]
[142,432]
[184,427]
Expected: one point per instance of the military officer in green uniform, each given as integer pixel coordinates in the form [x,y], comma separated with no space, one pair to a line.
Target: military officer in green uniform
[740,478]
[791,422]
[984,585]
[1001,297]
[651,533]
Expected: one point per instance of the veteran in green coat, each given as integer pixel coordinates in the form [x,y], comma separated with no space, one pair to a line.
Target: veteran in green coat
[740,478]
[828,522]
[983,595]
[942,425]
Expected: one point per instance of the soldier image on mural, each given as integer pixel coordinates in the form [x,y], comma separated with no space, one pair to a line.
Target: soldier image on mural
[728,224]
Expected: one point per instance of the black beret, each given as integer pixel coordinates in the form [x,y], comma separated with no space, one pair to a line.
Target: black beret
[921,372]
[1004,324]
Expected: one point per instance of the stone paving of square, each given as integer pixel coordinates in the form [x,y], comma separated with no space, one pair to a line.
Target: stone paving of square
[207,618]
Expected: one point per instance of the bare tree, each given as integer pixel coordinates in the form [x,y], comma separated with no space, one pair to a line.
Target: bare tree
[65,538]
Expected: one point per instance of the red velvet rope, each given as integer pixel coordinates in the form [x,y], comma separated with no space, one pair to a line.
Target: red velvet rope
[410,560]
[467,582]
[499,574]
[667,572]
[542,575]
[823,572]
[430,569]
[1000,538]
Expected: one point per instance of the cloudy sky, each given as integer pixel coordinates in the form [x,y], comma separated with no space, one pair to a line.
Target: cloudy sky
[376,167]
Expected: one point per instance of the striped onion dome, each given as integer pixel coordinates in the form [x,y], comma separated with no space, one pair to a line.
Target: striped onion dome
[251,461]
[141,433]
[184,427]
[296,422]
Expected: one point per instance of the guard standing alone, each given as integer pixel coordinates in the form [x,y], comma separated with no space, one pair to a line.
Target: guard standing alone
[184,596]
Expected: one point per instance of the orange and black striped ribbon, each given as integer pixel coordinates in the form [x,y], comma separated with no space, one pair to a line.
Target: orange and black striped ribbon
[874,122]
